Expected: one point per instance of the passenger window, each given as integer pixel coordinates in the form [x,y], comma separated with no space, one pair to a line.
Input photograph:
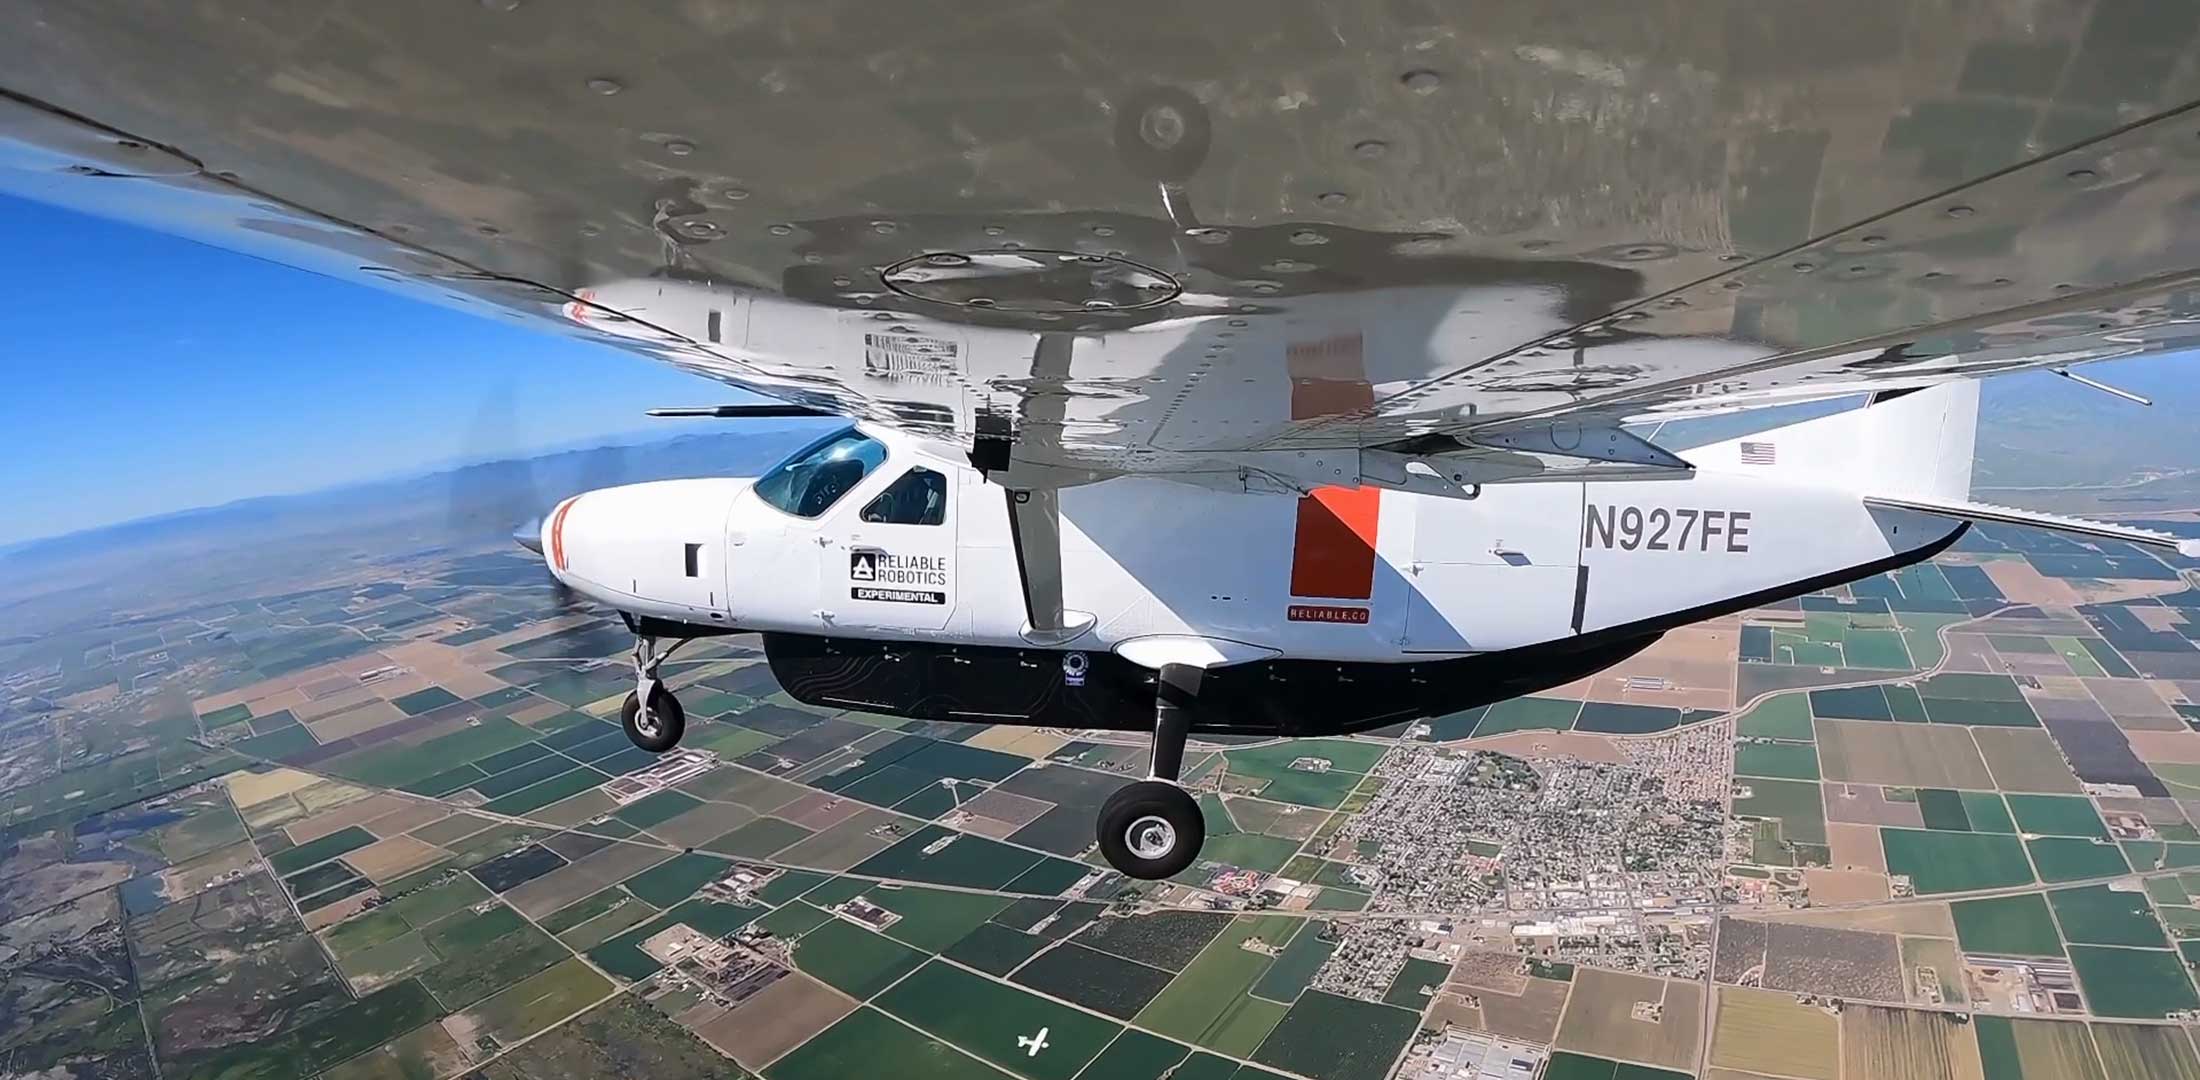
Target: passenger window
[810,482]
[918,498]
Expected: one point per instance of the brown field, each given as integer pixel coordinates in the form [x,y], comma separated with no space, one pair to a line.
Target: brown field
[1910,755]
[1598,1019]
[1972,652]
[1940,955]
[1856,847]
[387,860]
[756,791]
[1449,1010]
[1735,1074]
[2056,1050]
[1878,1042]
[318,705]
[1697,663]
[248,789]
[2022,584]
[2147,1050]
[192,877]
[1489,970]
[843,845]
[452,829]
[569,812]
[356,720]
[2025,759]
[535,713]
[2063,688]
[819,811]
[1532,1014]
[1865,804]
[328,795]
[346,816]
[2168,747]
[1926,919]
[269,813]
[343,909]
[1580,746]
[2128,698]
[584,877]
[706,822]
[1845,886]
[444,666]
[1008,808]
[1765,1030]
[783,1016]
[1832,960]
[414,814]
[1021,741]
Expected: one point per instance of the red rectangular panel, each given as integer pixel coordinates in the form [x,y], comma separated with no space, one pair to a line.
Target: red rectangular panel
[1333,549]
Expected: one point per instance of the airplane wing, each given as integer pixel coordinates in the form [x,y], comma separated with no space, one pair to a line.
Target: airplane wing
[1311,241]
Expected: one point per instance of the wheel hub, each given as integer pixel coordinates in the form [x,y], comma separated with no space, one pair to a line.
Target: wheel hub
[645,721]
[1150,837]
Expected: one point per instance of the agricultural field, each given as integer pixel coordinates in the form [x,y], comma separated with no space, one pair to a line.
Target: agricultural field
[419,846]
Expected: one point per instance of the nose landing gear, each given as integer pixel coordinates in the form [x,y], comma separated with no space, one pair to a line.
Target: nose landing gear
[1153,829]
[652,717]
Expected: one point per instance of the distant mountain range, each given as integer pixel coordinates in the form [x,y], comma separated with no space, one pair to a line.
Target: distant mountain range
[2037,431]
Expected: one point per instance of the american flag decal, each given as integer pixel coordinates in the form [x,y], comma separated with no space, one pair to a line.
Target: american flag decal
[1758,453]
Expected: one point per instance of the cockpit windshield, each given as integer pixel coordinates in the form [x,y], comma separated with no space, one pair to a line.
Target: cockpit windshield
[815,477]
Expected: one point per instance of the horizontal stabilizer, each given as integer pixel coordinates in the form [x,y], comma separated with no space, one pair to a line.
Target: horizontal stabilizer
[2010,515]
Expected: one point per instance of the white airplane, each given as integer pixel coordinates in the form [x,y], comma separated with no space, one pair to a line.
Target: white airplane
[1200,378]
[1032,1044]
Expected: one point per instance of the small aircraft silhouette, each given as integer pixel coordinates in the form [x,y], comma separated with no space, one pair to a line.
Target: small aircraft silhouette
[1035,1043]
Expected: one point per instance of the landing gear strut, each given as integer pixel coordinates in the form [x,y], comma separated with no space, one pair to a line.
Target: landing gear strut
[652,717]
[1153,829]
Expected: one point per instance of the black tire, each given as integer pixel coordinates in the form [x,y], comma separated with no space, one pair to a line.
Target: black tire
[1151,830]
[670,720]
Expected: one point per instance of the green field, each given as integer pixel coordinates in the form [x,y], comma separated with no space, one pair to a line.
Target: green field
[1987,813]
[1289,974]
[2068,858]
[1200,1005]
[1567,1065]
[1528,714]
[1135,1055]
[853,960]
[1941,862]
[292,860]
[1096,980]
[970,861]
[2098,915]
[995,949]
[1418,974]
[985,1017]
[869,1043]
[1795,802]
[1784,716]
[673,880]
[2019,925]
[1338,1038]
[1788,760]
[2056,815]
[933,919]
[1326,789]
[2132,983]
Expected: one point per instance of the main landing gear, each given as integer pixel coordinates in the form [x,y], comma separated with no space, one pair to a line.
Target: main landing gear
[652,717]
[1153,829]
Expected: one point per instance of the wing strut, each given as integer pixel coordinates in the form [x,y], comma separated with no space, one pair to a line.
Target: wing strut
[1035,512]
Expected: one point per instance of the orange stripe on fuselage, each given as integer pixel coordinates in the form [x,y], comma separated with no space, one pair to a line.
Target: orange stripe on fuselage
[1333,550]
[557,534]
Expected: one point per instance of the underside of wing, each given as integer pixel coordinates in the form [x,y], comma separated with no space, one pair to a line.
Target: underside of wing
[1300,241]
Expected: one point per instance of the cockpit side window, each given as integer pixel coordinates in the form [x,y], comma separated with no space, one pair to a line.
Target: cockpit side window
[810,482]
[919,497]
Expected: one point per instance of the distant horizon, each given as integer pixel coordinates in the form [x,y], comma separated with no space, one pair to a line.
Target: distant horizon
[162,375]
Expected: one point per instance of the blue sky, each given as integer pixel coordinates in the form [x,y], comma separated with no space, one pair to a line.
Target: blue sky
[146,374]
